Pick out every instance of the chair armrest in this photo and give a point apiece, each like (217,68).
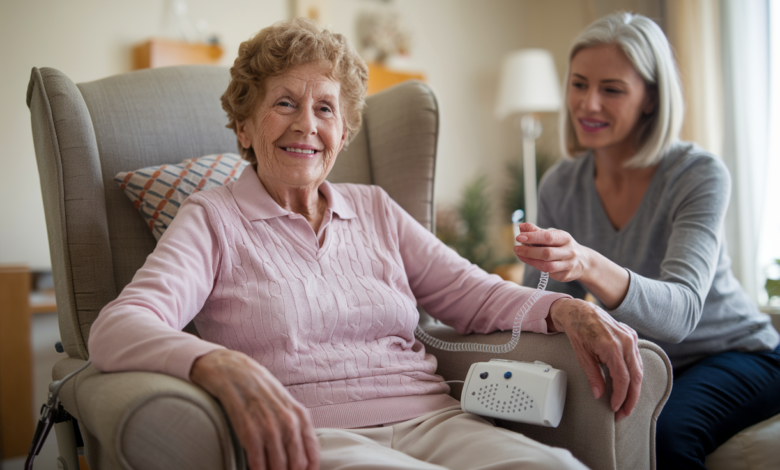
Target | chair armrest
(144,420)
(588,427)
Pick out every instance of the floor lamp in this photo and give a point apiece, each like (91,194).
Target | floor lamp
(529,84)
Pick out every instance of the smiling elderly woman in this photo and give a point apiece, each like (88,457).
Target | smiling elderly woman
(305,292)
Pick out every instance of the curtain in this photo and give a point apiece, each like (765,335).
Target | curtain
(769,245)
(722,50)
(693,29)
(745,46)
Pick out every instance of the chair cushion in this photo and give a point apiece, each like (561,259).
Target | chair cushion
(158,191)
(754,448)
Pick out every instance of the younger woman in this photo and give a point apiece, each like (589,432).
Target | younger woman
(638,218)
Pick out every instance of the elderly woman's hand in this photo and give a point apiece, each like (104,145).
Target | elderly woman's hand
(274,429)
(597,338)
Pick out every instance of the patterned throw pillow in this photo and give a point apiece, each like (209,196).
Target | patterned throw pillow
(158,191)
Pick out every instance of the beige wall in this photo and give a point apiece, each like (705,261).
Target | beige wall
(87,40)
(459,44)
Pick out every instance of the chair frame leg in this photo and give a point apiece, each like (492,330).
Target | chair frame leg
(67,446)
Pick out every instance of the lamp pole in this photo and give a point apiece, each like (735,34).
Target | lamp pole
(531,129)
(529,84)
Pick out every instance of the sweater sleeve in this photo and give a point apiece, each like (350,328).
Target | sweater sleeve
(459,293)
(690,261)
(141,329)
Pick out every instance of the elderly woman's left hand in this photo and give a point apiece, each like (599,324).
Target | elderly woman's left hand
(597,338)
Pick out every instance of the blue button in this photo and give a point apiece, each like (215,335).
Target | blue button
(507,375)
(483,375)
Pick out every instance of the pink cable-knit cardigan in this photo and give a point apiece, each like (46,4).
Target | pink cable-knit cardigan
(334,323)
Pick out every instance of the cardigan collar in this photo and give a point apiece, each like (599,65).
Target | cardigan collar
(256,204)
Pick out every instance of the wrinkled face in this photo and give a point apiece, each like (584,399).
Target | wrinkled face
(607,98)
(297,130)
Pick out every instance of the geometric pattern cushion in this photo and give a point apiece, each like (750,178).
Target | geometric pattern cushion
(158,191)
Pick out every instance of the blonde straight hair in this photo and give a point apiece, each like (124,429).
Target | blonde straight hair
(646,47)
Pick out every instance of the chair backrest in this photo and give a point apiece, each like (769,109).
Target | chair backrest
(85,134)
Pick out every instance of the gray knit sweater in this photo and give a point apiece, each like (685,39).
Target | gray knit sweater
(682,294)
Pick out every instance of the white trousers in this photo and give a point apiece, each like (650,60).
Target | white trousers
(445,439)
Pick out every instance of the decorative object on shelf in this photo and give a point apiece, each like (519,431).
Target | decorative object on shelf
(464,228)
(181,41)
(384,44)
(529,84)
(381,35)
(185,29)
(315,10)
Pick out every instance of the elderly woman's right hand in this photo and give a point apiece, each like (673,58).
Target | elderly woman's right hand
(274,429)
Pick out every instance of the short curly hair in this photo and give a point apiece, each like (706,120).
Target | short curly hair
(275,49)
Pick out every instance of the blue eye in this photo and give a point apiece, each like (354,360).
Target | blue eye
(285,104)
(325,109)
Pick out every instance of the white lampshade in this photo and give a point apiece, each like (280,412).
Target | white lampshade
(529,84)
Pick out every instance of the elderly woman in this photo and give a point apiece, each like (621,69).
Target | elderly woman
(639,219)
(305,292)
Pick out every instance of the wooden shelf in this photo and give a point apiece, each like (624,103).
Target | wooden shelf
(381,77)
(167,52)
(42,302)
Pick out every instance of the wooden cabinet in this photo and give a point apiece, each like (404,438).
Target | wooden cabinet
(381,77)
(17,417)
(167,52)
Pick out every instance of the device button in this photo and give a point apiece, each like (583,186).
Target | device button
(507,375)
(483,375)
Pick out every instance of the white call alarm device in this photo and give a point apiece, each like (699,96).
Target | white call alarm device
(526,392)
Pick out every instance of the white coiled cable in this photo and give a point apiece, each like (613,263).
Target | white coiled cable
(488,348)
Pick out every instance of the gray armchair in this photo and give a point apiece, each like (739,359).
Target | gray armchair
(85,134)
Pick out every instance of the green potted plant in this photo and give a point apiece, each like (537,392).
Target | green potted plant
(464,227)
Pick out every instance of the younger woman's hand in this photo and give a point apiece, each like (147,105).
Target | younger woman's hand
(274,429)
(554,252)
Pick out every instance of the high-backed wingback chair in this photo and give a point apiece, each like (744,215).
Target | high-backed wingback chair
(85,134)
